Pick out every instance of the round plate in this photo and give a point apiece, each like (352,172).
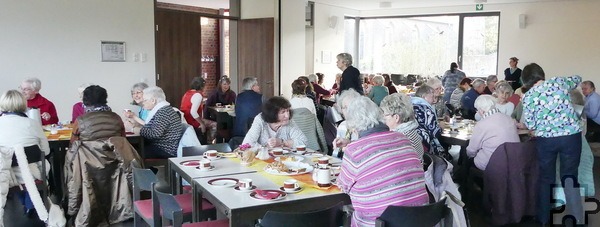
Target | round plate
(190,163)
(223,182)
(281,196)
(291,165)
(237,189)
(205,170)
(299,189)
(287,158)
(314,155)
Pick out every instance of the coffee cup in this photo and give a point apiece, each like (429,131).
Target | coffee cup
(323,177)
(323,162)
(228,106)
(245,184)
(277,151)
(211,154)
(218,104)
(290,185)
(204,164)
(301,148)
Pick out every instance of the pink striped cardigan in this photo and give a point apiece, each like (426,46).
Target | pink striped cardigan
(379,170)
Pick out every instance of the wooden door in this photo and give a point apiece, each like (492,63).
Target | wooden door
(256,53)
(178,52)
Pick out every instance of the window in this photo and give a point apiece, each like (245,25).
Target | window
(425,45)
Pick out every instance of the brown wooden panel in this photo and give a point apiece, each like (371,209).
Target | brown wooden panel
(178,52)
(256,52)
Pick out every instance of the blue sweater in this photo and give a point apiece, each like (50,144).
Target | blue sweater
(468,104)
(248,105)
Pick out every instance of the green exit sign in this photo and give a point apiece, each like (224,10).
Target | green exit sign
(478,7)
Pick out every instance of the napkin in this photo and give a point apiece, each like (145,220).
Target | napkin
(262,194)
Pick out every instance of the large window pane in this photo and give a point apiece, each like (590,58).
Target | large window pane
(350,36)
(480,46)
(415,45)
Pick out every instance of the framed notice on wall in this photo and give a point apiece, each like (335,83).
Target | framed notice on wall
(112,51)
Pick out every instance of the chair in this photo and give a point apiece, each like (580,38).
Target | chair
(415,216)
(172,211)
(35,154)
(199,150)
(146,209)
(331,216)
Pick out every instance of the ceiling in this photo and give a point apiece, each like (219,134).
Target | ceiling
(362,4)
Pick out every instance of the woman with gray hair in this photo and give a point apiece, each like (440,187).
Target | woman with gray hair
(379,169)
(163,129)
(399,116)
(137,93)
(378,91)
(350,75)
(30,88)
(494,129)
(319,90)
(503,92)
(429,129)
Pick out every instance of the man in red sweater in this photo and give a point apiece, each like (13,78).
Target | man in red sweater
(30,88)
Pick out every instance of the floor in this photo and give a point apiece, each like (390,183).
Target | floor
(13,212)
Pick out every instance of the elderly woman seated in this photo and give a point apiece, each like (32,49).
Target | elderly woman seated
(273,127)
(16,129)
(97,165)
(379,169)
(494,129)
(503,92)
(429,129)
(399,116)
(163,129)
(378,91)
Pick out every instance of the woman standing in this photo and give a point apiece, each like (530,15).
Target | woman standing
(512,74)
(451,79)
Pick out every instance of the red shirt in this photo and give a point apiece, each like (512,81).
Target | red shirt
(186,107)
(45,106)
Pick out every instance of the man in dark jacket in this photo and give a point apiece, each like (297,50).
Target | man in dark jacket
(247,106)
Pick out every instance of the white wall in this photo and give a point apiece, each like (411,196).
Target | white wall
(59,42)
(561,36)
(251,9)
(293,40)
(328,39)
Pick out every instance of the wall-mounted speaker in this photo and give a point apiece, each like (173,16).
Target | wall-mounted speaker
(333,20)
(522,21)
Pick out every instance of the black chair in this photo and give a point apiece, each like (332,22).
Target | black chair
(35,154)
(199,150)
(331,216)
(416,216)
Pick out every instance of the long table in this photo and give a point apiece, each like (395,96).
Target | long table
(233,204)
(59,144)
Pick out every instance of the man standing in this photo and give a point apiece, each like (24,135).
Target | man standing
(30,88)
(350,75)
(592,110)
(468,99)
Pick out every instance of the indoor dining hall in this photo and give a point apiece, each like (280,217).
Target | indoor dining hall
(316,113)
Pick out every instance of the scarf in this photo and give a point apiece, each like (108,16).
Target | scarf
(419,101)
(381,127)
(21,114)
(155,109)
(489,113)
(101,108)
(407,126)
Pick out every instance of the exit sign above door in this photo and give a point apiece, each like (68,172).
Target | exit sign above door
(479,7)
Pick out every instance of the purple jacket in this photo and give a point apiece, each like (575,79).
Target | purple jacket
(510,180)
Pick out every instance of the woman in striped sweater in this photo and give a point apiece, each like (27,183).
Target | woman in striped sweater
(379,169)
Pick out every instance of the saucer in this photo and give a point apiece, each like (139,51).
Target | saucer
(190,163)
(238,189)
(204,170)
(215,158)
(291,191)
(223,182)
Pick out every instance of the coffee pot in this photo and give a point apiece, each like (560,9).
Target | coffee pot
(322,176)
(34,113)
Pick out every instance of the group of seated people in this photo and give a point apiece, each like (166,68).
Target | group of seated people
(383,139)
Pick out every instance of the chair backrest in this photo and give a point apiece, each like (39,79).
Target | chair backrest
(331,216)
(142,180)
(199,150)
(415,216)
(170,208)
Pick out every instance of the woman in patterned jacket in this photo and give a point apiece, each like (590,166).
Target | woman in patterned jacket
(429,129)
